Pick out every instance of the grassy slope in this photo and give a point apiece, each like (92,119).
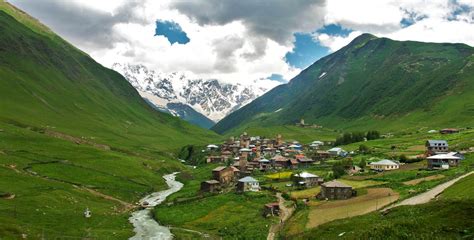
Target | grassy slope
(372,83)
(48,87)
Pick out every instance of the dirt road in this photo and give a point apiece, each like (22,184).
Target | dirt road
(285,214)
(427,196)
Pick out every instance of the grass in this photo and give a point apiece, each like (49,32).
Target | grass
(67,124)
(306,193)
(460,190)
(230,215)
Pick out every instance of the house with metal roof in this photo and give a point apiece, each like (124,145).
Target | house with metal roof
(434,147)
(307,179)
(247,184)
(444,161)
(384,165)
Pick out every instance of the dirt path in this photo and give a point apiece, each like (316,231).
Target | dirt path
(285,214)
(125,205)
(427,196)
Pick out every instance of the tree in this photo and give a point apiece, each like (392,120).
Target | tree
(364,149)
(362,163)
(371,135)
(403,158)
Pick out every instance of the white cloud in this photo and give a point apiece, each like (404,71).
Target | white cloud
(241,41)
(432,21)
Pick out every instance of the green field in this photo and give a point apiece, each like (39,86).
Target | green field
(227,216)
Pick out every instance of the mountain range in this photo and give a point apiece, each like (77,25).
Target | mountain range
(372,83)
(199,101)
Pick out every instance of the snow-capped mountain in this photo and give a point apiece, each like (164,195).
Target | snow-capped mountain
(212,98)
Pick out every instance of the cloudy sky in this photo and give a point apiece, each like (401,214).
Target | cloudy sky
(243,40)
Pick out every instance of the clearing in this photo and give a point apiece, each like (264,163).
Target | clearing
(419,180)
(372,201)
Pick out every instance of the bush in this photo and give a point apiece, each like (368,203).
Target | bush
(364,149)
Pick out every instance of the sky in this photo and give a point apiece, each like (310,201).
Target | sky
(247,41)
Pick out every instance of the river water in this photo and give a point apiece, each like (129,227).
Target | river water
(144,226)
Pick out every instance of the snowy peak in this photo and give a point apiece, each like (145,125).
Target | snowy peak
(210,97)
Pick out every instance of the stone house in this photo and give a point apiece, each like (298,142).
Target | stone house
(224,175)
(335,190)
(211,186)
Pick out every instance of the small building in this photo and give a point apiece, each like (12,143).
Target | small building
(212,147)
(335,151)
(384,165)
(449,130)
(436,146)
(321,155)
(280,161)
(308,179)
(296,147)
(335,190)
(304,162)
(211,186)
(224,175)
(214,159)
(248,184)
(271,209)
(444,161)
(354,169)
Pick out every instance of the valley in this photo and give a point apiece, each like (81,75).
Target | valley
(373,141)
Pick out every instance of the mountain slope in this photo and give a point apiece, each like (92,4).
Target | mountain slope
(372,82)
(47,82)
(212,98)
(75,135)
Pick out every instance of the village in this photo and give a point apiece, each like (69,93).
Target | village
(276,186)
(241,159)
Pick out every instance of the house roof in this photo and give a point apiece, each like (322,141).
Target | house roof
(302,160)
(437,142)
(280,158)
(447,156)
(212,182)
(218,169)
(271,205)
(317,142)
(248,179)
(306,175)
(245,150)
(385,162)
(336,184)
(336,149)
(212,146)
(264,160)
(294,146)
(234,169)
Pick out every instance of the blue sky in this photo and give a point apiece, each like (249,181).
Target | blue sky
(172,31)
(307,50)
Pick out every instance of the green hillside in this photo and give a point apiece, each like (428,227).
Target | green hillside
(372,83)
(75,135)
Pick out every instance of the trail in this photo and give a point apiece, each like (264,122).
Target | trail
(285,214)
(428,195)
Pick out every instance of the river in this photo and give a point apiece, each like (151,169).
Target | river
(144,226)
